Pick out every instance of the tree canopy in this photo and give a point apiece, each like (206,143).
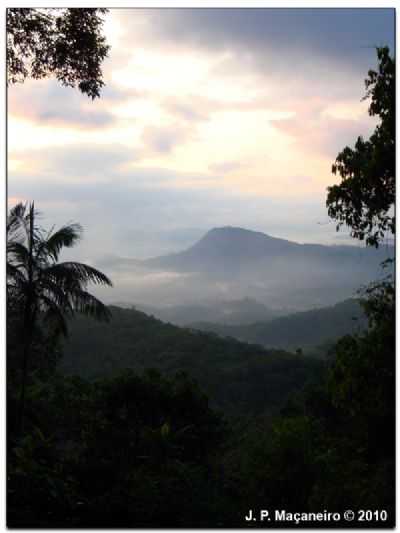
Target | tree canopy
(40,289)
(364,199)
(35,275)
(65,43)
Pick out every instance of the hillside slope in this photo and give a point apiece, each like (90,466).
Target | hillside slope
(231,250)
(238,378)
(232,312)
(304,330)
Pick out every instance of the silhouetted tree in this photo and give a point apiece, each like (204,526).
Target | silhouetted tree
(365,197)
(65,43)
(41,288)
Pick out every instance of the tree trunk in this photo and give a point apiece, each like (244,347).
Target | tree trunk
(21,406)
(28,324)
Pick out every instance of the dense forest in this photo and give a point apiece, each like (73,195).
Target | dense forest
(239,379)
(116,419)
(146,447)
(309,331)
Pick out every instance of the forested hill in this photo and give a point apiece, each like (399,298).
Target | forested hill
(307,330)
(238,378)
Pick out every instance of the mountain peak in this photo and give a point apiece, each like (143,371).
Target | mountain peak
(234,236)
(234,230)
(232,246)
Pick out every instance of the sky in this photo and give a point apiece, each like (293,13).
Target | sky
(209,117)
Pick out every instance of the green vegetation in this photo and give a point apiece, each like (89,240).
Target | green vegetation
(311,331)
(116,453)
(334,446)
(41,291)
(240,379)
(364,200)
(122,446)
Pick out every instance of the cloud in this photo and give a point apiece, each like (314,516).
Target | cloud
(48,103)
(189,108)
(88,162)
(163,139)
(95,165)
(324,134)
(330,33)
(208,104)
(136,213)
(115,214)
(226,166)
(196,108)
(268,57)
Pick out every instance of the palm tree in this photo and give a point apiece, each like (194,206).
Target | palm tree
(41,288)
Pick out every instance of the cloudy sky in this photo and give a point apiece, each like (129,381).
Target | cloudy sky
(208,118)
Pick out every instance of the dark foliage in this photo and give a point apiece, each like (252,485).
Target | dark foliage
(333,447)
(42,292)
(364,199)
(311,331)
(131,451)
(239,379)
(64,43)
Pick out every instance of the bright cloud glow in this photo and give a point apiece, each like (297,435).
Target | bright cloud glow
(163,73)
(199,106)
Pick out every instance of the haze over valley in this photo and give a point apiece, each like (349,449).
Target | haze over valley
(234,275)
(200,267)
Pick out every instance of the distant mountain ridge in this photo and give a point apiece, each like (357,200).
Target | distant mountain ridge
(231,263)
(233,312)
(223,245)
(233,247)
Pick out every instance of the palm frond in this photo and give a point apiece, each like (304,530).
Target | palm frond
(16,220)
(70,273)
(15,275)
(21,224)
(58,290)
(48,289)
(17,253)
(18,211)
(54,315)
(87,304)
(67,236)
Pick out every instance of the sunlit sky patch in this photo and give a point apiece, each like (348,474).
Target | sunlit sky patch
(208,118)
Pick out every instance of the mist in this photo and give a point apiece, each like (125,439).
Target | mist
(249,272)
